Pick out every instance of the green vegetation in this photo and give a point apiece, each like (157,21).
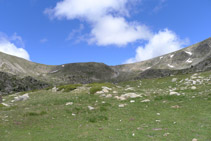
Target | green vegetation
(98,87)
(68,88)
(48,116)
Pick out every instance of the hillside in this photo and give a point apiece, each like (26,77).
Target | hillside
(195,58)
(171,108)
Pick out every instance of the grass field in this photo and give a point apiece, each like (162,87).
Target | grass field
(167,109)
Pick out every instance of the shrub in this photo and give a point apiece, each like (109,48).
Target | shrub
(68,88)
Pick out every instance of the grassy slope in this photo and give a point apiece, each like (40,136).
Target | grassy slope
(46,117)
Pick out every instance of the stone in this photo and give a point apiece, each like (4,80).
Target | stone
(69,103)
(146,100)
(174,80)
(193,88)
(21,98)
(132,101)
(109,96)
(121,105)
(6,105)
(91,108)
(194,139)
(174,93)
(54,89)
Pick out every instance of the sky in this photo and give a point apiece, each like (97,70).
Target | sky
(113,32)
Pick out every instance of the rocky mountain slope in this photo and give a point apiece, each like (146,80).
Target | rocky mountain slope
(194,58)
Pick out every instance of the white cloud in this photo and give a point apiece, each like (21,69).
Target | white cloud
(9,46)
(107,19)
(88,9)
(161,43)
(117,31)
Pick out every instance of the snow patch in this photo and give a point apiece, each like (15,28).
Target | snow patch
(189,61)
(170,66)
(190,53)
(172,55)
(54,71)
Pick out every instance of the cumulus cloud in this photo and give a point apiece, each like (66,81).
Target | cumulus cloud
(163,42)
(107,19)
(117,31)
(8,45)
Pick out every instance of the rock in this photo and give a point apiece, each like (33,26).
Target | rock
(174,80)
(69,103)
(21,98)
(158,114)
(129,89)
(107,88)
(146,100)
(194,139)
(174,93)
(6,105)
(109,96)
(193,87)
(115,92)
(128,95)
(132,101)
(176,106)
(54,89)
(166,134)
(121,105)
(91,108)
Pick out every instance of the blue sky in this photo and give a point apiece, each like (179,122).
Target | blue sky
(110,31)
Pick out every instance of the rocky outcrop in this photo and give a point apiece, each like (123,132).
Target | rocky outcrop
(11,83)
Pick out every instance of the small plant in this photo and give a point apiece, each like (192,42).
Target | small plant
(68,88)
(94,89)
(36,113)
(97,118)
(98,87)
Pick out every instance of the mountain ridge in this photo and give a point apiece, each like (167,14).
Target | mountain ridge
(194,58)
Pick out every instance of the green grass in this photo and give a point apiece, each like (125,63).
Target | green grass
(45,115)
(68,88)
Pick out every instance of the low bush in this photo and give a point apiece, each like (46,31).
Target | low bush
(68,88)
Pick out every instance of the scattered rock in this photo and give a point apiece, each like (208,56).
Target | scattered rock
(146,100)
(176,106)
(54,89)
(21,98)
(174,80)
(128,95)
(132,101)
(174,93)
(109,96)
(91,108)
(129,89)
(133,134)
(69,103)
(193,87)
(122,105)
(166,134)
(6,105)
(157,129)
(158,120)
(158,114)
(194,139)
(115,92)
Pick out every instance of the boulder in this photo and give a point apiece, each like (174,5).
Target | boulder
(22,98)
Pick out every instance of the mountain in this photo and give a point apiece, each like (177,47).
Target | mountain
(195,58)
